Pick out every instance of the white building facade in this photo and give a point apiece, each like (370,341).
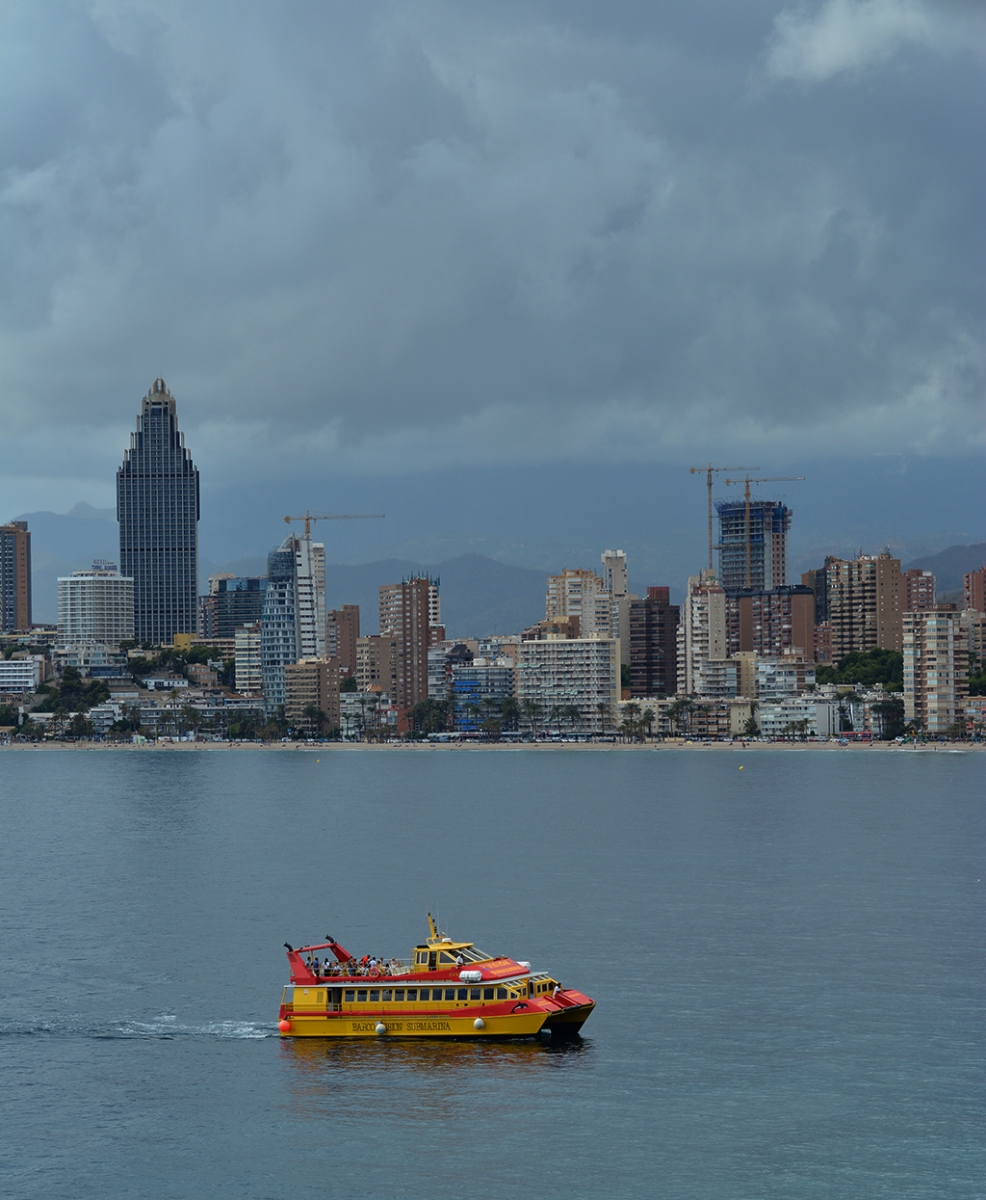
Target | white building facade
(247,640)
(571,673)
(935,667)
(701,632)
(95,606)
(781,718)
(19,676)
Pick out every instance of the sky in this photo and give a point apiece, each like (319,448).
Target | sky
(498,265)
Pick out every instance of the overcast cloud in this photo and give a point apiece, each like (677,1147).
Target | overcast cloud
(379,237)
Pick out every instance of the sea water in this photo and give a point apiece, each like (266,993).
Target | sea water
(786,961)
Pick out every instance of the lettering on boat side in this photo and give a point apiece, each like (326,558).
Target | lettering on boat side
(417,1026)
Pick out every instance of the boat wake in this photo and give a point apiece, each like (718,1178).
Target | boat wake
(164,1027)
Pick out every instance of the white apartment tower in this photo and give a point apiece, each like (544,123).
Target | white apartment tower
(95,607)
(935,659)
(292,626)
(701,632)
(580,675)
(583,594)
(618,585)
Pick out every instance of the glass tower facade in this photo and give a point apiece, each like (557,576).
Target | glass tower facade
(292,626)
(157,505)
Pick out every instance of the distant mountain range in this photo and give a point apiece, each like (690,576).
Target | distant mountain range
(950,565)
(480,595)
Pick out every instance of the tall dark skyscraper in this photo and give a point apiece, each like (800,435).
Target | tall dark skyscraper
(157,505)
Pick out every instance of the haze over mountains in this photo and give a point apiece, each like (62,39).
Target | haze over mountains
(480,594)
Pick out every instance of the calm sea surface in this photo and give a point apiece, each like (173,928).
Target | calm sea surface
(786,960)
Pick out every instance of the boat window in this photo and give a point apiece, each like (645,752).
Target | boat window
(399,994)
(463,993)
(488,993)
(288,997)
(450,993)
(474,955)
(446,959)
(424,993)
(375,995)
(502,993)
(387,995)
(421,958)
(412,993)
(474,994)
(350,997)
(361,997)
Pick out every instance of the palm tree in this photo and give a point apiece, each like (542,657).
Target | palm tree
(531,711)
(751,729)
(510,711)
(648,718)
(571,713)
(315,720)
(678,711)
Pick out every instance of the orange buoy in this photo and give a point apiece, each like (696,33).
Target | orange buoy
(284,1026)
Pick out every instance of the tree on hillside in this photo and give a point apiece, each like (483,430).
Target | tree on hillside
(866,669)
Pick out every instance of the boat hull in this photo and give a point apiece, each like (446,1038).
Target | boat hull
(568,1021)
(439,1025)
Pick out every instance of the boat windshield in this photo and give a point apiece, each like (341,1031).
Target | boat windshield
(474,955)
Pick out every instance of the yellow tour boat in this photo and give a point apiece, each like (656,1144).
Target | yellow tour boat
(447,989)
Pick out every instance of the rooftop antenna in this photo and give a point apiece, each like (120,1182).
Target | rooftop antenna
(710,470)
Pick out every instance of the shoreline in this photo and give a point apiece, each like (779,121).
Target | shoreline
(502,747)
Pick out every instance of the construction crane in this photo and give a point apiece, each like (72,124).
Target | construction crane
(710,470)
(746,496)
(308,517)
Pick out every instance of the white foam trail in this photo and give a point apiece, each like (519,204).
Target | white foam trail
(165,1027)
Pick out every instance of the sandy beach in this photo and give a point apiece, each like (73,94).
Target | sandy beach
(501,747)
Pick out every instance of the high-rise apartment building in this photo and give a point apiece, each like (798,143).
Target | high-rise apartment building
(312,683)
(773,623)
(479,689)
(341,636)
(292,625)
(864,604)
(232,601)
(917,591)
(616,581)
(95,606)
(754,557)
(701,632)
(817,580)
(15,577)
(653,638)
(935,665)
(575,674)
(974,590)
(247,652)
(583,594)
(410,612)
(157,505)
(378,663)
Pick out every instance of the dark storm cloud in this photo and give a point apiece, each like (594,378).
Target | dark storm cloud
(393,235)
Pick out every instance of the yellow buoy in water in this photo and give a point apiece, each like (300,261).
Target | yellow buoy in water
(741,768)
